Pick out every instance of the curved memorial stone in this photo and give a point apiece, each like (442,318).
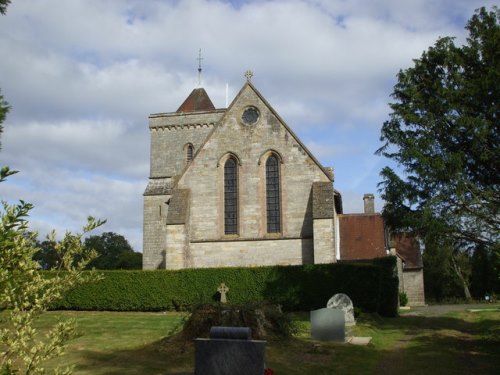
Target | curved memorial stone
(343,302)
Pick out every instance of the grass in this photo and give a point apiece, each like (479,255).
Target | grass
(134,343)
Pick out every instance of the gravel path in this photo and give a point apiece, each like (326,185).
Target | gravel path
(436,310)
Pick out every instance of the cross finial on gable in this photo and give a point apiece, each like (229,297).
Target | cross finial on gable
(249,75)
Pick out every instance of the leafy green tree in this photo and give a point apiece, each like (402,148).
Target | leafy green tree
(47,255)
(4,108)
(26,293)
(114,252)
(485,278)
(441,280)
(443,133)
(3,6)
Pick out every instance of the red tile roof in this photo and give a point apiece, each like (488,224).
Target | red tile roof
(362,236)
(198,100)
(408,248)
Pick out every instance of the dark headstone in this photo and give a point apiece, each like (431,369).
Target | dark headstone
(232,333)
(328,325)
(229,351)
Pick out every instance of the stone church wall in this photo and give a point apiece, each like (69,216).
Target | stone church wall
(169,136)
(252,253)
(414,286)
(251,145)
(154,232)
(200,240)
(324,243)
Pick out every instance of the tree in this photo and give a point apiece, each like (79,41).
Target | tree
(27,293)
(4,108)
(3,6)
(443,133)
(47,255)
(114,252)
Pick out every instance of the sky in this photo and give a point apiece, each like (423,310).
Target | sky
(82,76)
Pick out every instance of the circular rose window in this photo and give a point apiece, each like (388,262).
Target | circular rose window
(250,115)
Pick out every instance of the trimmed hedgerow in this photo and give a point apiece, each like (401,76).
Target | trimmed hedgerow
(369,285)
(389,286)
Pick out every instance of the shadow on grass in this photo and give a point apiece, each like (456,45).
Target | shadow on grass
(155,358)
(420,345)
(441,345)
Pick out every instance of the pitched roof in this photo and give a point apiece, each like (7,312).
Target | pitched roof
(198,100)
(362,236)
(408,248)
(290,131)
(338,202)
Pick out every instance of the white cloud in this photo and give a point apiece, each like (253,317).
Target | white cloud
(82,77)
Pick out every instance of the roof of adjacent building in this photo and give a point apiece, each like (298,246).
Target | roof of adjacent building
(362,236)
(198,100)
(408,248)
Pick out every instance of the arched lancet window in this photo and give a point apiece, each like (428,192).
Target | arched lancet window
(189,152)
(273,195)
(231,197)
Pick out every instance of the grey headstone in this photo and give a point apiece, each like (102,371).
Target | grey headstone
(328,325)
(343,302)
(229,351)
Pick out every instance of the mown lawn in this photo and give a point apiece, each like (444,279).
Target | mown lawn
(134,343)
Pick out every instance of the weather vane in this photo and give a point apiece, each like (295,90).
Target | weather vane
(199,67)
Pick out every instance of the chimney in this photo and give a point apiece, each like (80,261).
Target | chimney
(369,200)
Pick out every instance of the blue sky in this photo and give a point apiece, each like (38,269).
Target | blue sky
(82,76)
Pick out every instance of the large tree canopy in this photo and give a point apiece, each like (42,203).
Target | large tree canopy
(443,133)
(114,252)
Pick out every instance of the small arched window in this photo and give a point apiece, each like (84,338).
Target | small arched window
(231,196)
(273,206)
(189,152)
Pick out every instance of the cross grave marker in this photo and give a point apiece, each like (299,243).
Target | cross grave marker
(223,289)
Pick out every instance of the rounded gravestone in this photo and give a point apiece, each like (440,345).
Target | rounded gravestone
(343,302)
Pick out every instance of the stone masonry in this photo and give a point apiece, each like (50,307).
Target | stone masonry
(199,239)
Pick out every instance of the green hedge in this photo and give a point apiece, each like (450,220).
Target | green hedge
(369,285)
(389,286)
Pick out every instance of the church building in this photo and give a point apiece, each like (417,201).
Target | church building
(236,187)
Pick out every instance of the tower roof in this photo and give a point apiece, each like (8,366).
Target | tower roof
(198,100)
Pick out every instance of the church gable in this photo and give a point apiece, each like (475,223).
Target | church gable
(252,118)
(256,143)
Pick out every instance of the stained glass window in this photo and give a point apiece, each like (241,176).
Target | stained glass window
(273,195)
(230,197)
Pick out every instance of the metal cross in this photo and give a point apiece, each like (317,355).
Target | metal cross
(249,75)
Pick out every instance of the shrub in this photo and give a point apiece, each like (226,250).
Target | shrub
(403,299)
(370,285)
(265,321)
